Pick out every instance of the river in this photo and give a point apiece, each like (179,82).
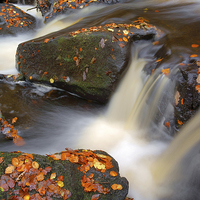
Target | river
(157,166)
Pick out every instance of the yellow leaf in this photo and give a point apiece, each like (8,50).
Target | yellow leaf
(51,80)
(60,183)
(53,175)
(99,165)
(116,187)
(10,169)
(27,197)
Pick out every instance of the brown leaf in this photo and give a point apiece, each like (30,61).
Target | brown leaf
(121,45)
(1,159)
(93,60)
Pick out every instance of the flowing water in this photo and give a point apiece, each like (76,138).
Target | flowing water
(157,166)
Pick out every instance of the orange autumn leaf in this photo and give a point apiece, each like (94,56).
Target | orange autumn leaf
(113,173)
(1,159)
(81,49)
(116,187)
(180,122)
(167,124)
(27,197)
(64,156)
(193,55)
(30,77)
(45,73)
(35,165)
(40,177)
(198,88)
(182,101)
(120,39)
(75,58)
(194,45)
(10,169)
(15,162)
(155,43)
(125,39)
(14,120)
(166,71)
(46,40)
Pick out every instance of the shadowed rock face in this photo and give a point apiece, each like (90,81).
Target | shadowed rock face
(88,62)
(14,21)
(78,174)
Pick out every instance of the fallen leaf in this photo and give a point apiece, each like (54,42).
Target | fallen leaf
(167,124)
(193,55)
(93,60)
(113,173)
(194,45)
(198,88)
(14,120)
(84,76)
(95,197)
(15,162)
(113,57)
(35,165)
(1,159)
(166,71)
(102,43)
(121,45)
(180,122)
(60,184)
(155,43)
(10,169)
(116,187)
(51,80)
(53,175)
(46,40)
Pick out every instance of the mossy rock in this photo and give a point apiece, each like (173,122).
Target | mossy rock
(88,62)
(14,20)
(58,178)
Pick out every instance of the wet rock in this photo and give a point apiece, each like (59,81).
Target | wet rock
(52,8)
(78,174)
(14,21)
(187,96)
(88,62)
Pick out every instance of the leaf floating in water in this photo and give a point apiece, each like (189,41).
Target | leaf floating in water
(125,32)
(166,71)
(102,43)
(110,29)
(84,76)
(125,39)
(155,43)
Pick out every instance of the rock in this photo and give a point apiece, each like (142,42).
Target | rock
(88,62)
(187,96)
(52,8)
(14,21)
(73,174)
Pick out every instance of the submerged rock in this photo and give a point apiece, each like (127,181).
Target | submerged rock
(88,62)
(14,21)
(78,174)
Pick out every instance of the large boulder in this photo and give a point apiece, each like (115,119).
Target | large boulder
(73,174)
(88,62)
(14,21)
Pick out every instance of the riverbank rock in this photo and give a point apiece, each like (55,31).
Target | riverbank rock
(14,21)
(187,96)
(88,62)
(71,174)
(52,8)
